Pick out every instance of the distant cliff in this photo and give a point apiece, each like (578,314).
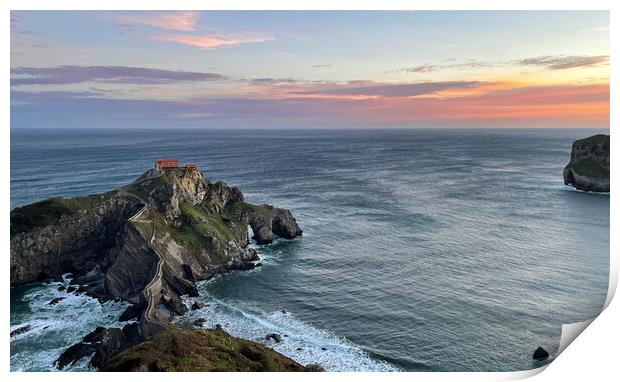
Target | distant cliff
(146,243)
(588,169)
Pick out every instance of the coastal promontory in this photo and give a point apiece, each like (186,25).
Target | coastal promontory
(588,169)
(148,243)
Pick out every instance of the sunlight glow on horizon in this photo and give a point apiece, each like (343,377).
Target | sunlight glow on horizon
(524,69)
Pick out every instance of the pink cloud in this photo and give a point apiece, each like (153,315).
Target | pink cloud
(180,21)
(206,42)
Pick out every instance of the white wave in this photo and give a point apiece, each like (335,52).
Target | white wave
(55,328)
(301,341)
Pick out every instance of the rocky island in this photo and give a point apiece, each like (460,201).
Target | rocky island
(588,169)
(148,243)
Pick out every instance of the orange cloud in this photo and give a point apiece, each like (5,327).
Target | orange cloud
(206,42)
(181,21)
(560,102)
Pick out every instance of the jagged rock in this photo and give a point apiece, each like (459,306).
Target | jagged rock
(274,336)
(20,330)
(197,305)
(540,354)
(588,169)
(199,321)
(55,301)
(266,220)
(132,312)
(103,344)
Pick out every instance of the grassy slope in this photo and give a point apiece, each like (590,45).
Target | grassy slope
(39,214)
(200,350)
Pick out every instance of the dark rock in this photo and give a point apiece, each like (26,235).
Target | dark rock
(61,288)
(313,367)
(20,330)
(540,354)
(132,312)
(218,327)
(274,336)
(199,321)
(323,348)
(197,305)
(266,220)
(588,169)
(71,289)
(284,311)
(55,301)
(103,344)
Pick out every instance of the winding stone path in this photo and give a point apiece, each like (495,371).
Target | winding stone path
(152,324)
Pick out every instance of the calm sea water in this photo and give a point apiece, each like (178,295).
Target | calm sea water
(423,250)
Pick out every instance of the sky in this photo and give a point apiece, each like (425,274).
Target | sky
(309,69)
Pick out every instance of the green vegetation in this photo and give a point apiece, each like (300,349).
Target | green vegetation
(202,226)
(27,218)
(201,350)
(589,168)
(595,139)
(240,209)
(143,188)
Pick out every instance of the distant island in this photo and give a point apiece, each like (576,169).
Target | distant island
(148,243)
(588,169)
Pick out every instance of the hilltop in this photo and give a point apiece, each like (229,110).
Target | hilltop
(588,169)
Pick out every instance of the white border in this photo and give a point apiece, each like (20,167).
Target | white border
(593,356)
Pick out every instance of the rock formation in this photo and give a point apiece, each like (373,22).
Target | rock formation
(588,169)
(146,243)
(540,354)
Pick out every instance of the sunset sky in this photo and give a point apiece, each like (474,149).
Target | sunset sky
(309,69)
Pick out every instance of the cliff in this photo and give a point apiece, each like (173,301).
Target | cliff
(146,243)
(588,169)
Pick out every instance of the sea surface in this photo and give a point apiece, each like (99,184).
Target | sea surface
(423,250)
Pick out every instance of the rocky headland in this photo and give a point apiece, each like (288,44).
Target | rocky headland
(149,243)
(588,169)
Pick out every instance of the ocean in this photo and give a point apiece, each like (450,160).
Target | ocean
(423,249)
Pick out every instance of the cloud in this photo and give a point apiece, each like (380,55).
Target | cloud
(195,115)
(558,62)
(557,105)
(377,89)
(321,66)
(72,74)
(564,62)
(180,21)
(206,42)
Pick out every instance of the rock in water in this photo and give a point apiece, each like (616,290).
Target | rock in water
(540,354)
(274,336)
(20,330)
(197,305)
(55,301)
(588,169)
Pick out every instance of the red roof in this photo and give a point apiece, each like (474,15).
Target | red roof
(166,160)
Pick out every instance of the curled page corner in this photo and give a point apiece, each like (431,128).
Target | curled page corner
(570,332)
